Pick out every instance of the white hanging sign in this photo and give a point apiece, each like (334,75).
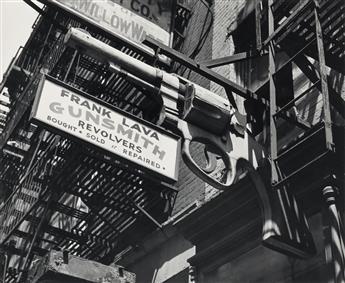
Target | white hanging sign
(63,108)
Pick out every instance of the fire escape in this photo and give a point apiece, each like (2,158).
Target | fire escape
(311,33)
(304,129)
(59,194)
(311,162)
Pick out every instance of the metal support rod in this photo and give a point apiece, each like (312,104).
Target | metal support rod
(323,78)
(148,215)
(272,89)
(35,7)
(142,210)
(333,236)
(70,65)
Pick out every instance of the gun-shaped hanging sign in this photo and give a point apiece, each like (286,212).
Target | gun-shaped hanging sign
(198,114)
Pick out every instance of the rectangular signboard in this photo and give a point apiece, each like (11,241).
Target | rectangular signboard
(131,19)
(66,109)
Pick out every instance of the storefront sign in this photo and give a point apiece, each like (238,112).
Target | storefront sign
(64,108)
(132,19)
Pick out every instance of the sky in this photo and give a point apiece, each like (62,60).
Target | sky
(16,19)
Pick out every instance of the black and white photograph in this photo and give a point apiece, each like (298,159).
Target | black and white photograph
(172,141)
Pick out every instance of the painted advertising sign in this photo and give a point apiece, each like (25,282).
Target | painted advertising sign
(131,19)
(66,109)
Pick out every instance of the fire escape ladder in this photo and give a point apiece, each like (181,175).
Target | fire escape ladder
(280,32)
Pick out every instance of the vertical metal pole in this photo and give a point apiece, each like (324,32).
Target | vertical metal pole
(323,78)
(334,236)
(272,87)
(70,65)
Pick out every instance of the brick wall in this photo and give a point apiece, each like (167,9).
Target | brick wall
(217,45)
(225,13)
(190,187)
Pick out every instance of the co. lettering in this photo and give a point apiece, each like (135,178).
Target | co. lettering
(140,8)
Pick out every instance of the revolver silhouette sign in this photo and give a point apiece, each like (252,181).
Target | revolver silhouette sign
(196,113)
(201,116)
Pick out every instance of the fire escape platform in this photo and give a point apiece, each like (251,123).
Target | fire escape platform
(306,164)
